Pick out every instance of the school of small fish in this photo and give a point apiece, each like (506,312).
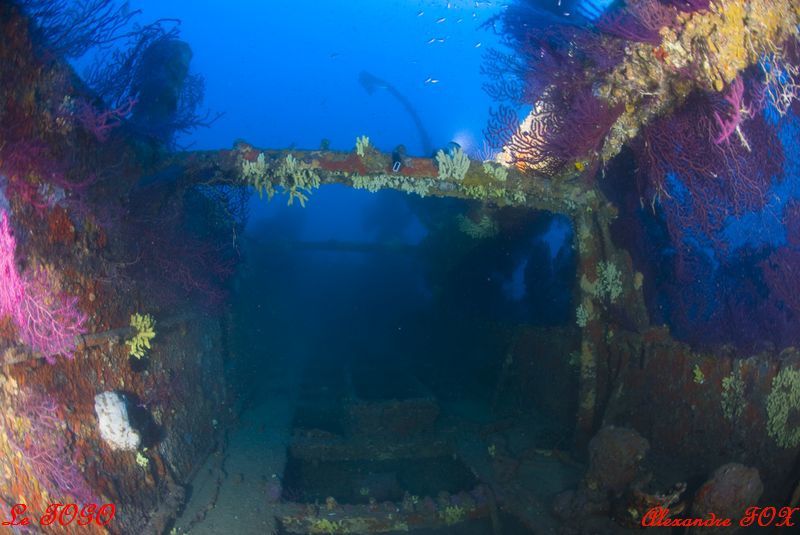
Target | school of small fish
(442,20)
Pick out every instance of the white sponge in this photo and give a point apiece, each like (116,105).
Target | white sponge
(112,418)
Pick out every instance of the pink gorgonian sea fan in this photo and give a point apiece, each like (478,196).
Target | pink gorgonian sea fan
(12,289)
(47,322)
(43,445)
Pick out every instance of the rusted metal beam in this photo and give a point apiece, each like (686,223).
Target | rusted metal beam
(14,353)
(311,447)
(412,514)
(376,170)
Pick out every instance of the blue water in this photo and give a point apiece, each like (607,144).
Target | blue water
(288,75)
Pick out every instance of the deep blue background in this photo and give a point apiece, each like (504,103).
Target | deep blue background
(286,73)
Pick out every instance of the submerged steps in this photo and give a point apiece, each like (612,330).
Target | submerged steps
(321,446)
(387,517)
(374,463)
(335,460)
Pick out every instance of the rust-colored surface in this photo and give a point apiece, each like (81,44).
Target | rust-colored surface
(348,163)
(177,387)
(684,418)
(398,418)
(417,512)
(60,227)
(559,194)
(314,445)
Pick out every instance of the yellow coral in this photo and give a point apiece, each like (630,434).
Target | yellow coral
(783,405)
(733,402)
(495,171)
(452,514)
(582,316)
(420,186)
(699,376)
(323,525)
(609,282)
(295,177)
(142,460)
(718,44)
(362,144)
(255,173)
(453,165)
(485,228)
(145,331)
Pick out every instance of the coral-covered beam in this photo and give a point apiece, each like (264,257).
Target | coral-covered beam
(12,353)
(15,353)
(449,510)
(376,170)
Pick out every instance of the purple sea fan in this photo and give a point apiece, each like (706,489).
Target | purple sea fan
(47,322)
(639,20)
(584,126)
(101,123)
(729,121)
(563,129)
(12,288)
(627,25)
(688,6)
(781,272)
(503,124)
(72,28)
(791,219)
(653,14)
(42,445)
(702,183)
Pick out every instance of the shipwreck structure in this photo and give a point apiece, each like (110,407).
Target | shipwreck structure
(100,225)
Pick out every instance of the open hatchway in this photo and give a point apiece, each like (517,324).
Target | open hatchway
(420,349)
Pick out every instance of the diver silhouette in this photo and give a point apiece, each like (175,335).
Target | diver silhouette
(370,82)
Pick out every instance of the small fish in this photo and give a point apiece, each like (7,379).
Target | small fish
(435,40)
(431,81)
(478,44)
(441,20)
(458,21)
(420,13)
